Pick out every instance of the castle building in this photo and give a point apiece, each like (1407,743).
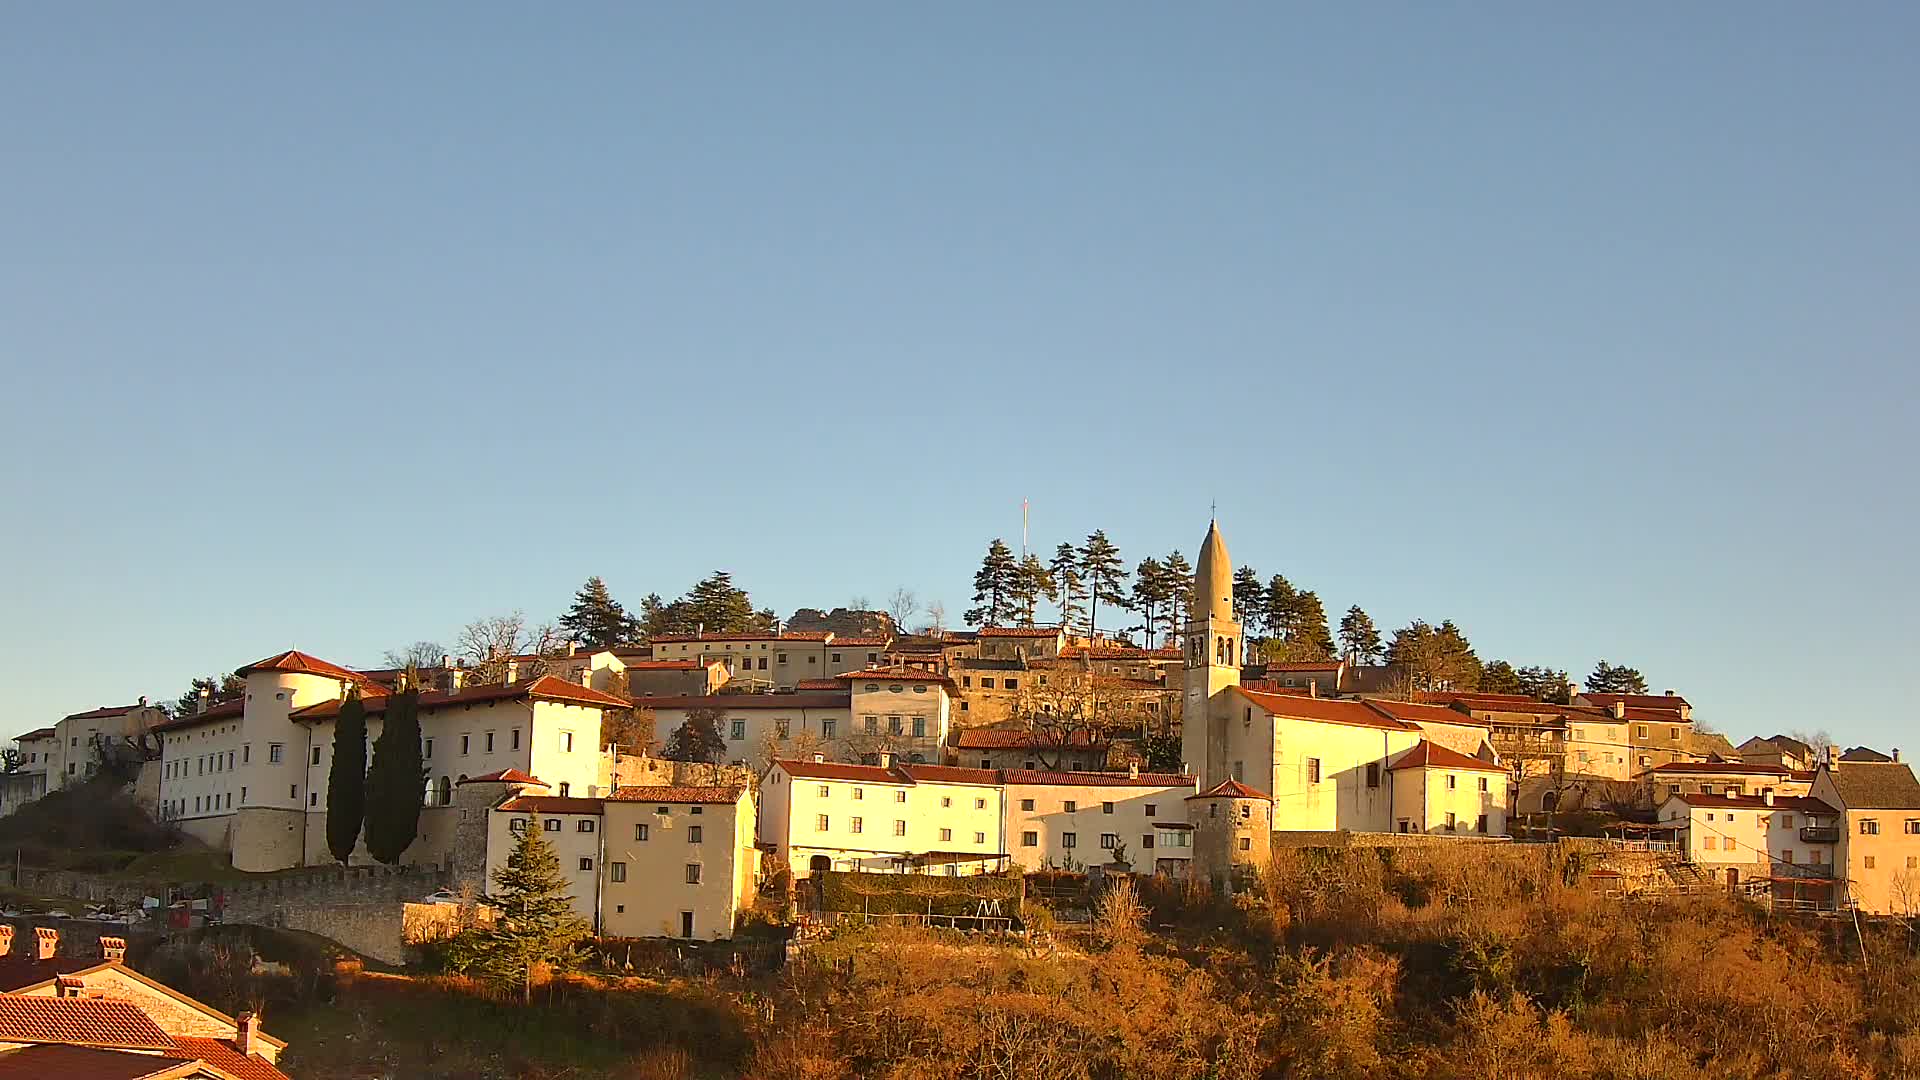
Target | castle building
(1327,765)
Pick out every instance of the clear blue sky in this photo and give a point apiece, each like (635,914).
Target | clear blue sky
(1592,330)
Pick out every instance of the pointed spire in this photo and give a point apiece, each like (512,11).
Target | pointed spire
(1212,580)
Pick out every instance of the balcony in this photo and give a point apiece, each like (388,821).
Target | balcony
(1803,872)
(1820,834)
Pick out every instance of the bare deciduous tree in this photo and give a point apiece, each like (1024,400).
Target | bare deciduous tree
(500,646)
(420,654)
(902,605)
(1077,708)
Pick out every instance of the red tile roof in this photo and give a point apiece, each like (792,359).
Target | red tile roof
(678,793)
(859,642)
(294,660)
(836,770)
(1414,713)
(1655,716)
(1736,767)
(1801,803)
(1097,779)
(949,774)
(222,1054)
(817,684)
(505,776)
(1431,755)
(544,688)
(103,712)
(665,665)
(226,710)
(1663,702)
(1325,710)
(1117,652)
(733,702)
(1019,631)
(551,804)
(18,971)
(54,1061)
(1306,665)
(36,733)
(79,1022)
(898,674)
(1231,789)
(757,635)
(1009,739)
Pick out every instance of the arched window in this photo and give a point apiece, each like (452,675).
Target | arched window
(1229,652)
(446,791)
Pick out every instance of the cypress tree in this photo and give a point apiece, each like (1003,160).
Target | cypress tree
(397,781)
(347,779)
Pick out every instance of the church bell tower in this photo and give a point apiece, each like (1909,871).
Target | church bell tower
(1213,658)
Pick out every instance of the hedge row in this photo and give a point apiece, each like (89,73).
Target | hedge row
(894,894)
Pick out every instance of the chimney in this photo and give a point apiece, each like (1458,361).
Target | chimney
(819,759)
(1619,710)
(143,701)
(572,647)
(1133,770)
(1833,755)
(1896,753)
(113,949)
(886,759)
(1313,688)
(1766,796)
(47,940)
(206,699)
(6,938)
(247,1033)
(1673,693)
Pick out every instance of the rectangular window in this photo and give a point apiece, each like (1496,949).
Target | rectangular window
(1913,827)
(820,823)
(827,728)
(946,836)
(1483,783)
(550,825)
(1146,842)
(893,725)
(1072,806)
(585,825)
(1453,782)
(871,724)
(739,730)
(616,872)
(1109,841)
(919,727)
(489,738)
(899,827)
(427,748)
(979,838)
(1373,774)
(693,834)
(1029,839)
(466,745)
(1450,821)
(1869,827)
(1106,808)
(1068,840)
(1313,770)
(566,742)
(517,825)
(693,873)
(825,790)
(1026,804)
(857,825)
(513,739)
(986,683)
(293,791)
(640,831)
(781,727)
(836,658)
(780,658)
(1480,824)
(586,863)
(946,801)
(1866,862)
(1013,684)
(899,796)
(275,752)
(316,755)
(979,804)
(1710,843)
(1246,843)
(859,794)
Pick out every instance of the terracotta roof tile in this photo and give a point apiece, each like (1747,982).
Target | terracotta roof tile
(54,1061)
(505,776)
(37,733)
(949,774)
(1008,739)
(836,770)
(751,635)
(897,674)
(222,1054)
(859,642)
(1020,631)
(1801,803)
(104,712)
(545,688)
(1431,755)
(1662,702)
(1231,789)
(817,684)
(226,710)
(1413,713)
(713,794)
(1870,785)
(1306,665)
(293,660)
(1325,710)
(79,1022)
(1097,779)
(665,665)
(1118,652)
(1735,767)
(733,702)
(551,804)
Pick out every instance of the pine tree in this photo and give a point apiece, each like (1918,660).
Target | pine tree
(1608,679)
(1031,583)
(537,926)
(1358,636)
(1249,599)
(1151,593)
(657,617)
(1308,636)
(1065,570)
(1434,658)
(1499,677)
(347,778)
(396,781)
(994,587)
(1105,575)
(596,619)
(1278,616)
(1545,684)
(1180,583)
(220,690)
(716,606)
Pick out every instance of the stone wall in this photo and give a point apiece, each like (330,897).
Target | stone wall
(1345,838)
(634,770)
(361,907)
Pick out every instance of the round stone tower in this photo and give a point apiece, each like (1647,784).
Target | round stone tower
(1232,833)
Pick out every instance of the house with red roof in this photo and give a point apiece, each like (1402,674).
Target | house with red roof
(250,775)
(775,660)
